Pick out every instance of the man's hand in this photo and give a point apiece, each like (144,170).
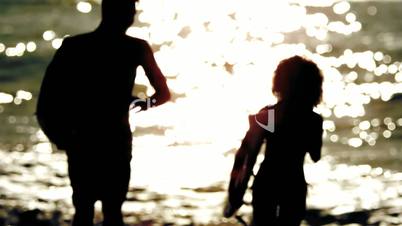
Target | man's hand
(140,104)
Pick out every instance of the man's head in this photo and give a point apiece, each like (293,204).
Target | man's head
(118,14)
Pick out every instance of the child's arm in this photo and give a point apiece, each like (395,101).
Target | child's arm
(155,76)
(251,143)
(245,159)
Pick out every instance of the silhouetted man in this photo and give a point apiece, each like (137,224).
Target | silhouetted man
(83,108)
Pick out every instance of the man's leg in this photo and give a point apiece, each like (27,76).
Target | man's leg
(112,215)
(114,191)
(84,212)
(81,178)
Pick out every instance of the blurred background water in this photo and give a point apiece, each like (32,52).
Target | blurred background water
(219,57)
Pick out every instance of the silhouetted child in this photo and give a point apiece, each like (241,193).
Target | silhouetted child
(83,108)
(279,188)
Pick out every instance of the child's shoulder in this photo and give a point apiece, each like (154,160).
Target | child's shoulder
(267,108)
(263,115)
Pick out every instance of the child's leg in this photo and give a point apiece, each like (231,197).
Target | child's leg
(264,215)
(293,207)
(265,207)
(291,216)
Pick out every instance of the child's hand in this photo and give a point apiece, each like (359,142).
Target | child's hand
(228,210)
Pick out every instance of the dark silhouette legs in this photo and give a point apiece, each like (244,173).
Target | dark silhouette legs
(81,183)
(84,213)
(292,215)
(267,216)
(276,207)
(98,176)
(112,215)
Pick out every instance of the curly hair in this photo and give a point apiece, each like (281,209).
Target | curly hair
(298,80)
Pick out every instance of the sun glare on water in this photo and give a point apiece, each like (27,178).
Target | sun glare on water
(220,56)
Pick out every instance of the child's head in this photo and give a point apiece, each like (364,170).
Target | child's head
(299,81)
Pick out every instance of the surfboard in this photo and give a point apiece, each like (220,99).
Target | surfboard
(242,170)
